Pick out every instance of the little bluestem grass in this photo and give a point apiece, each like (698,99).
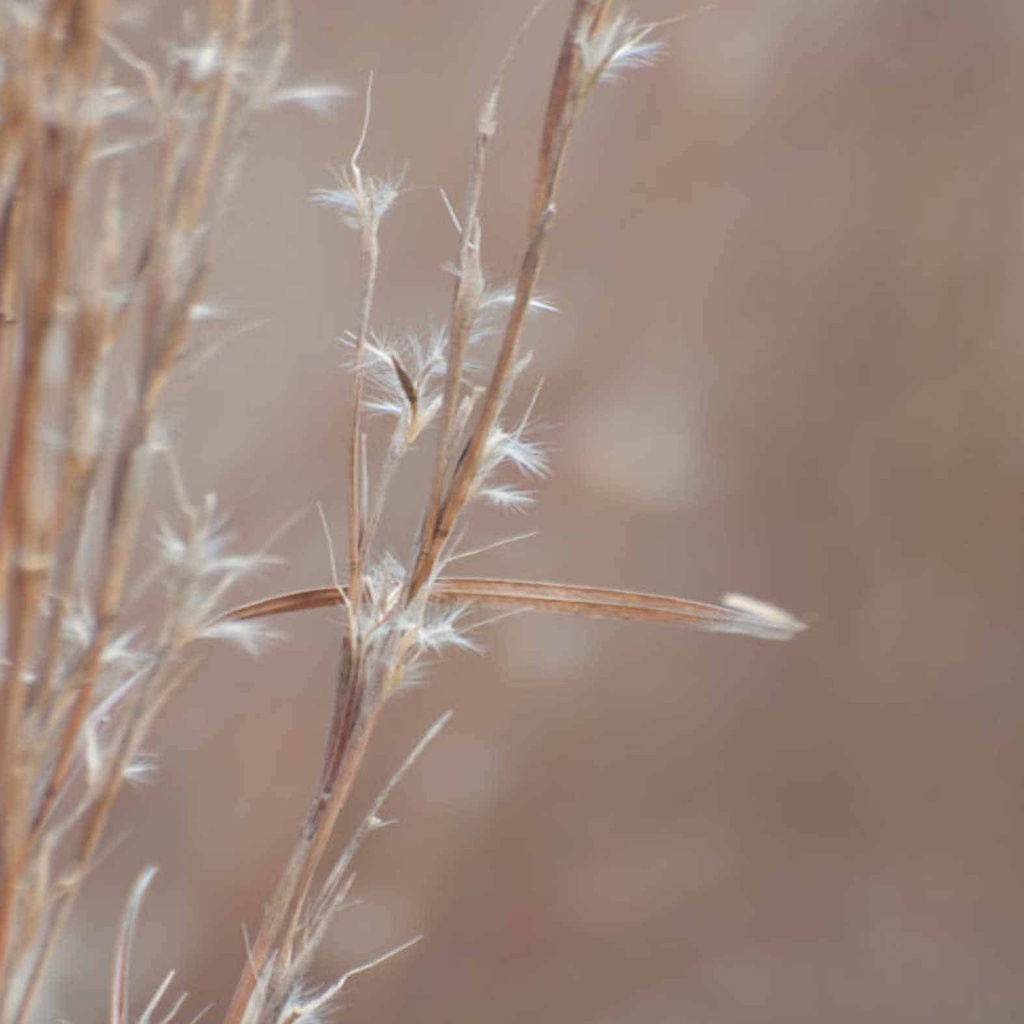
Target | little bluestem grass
(98,307)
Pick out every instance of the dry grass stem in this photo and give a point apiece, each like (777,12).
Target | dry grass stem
(98,299)
(738,614)
(86,293)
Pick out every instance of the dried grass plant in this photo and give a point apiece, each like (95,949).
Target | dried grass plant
(98,302)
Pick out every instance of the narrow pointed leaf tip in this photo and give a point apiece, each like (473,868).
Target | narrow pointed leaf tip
(769,617)
(737,613)
(119,983)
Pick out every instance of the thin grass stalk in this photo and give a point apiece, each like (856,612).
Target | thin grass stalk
(560,114)
(43,172)
(50,185)
(239,13)
(369,257)
(310,846)
(147,703)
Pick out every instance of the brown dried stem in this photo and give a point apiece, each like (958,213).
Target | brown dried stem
(559,118)
(559,598)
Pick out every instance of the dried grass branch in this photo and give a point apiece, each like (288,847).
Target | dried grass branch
(82,683)
(746,616)
(83,680)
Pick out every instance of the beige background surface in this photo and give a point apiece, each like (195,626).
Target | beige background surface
(788,362)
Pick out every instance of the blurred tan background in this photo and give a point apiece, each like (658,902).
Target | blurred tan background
(789,361)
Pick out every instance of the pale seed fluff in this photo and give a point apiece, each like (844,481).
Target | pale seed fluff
(200,62)
(441,629)
(206,552)
(141,770)
(320,98)
(619,45)
(507,497)
(251,636)
(363,203)
(769,617)
(514,448)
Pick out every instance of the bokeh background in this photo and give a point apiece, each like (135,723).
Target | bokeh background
(789,360)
